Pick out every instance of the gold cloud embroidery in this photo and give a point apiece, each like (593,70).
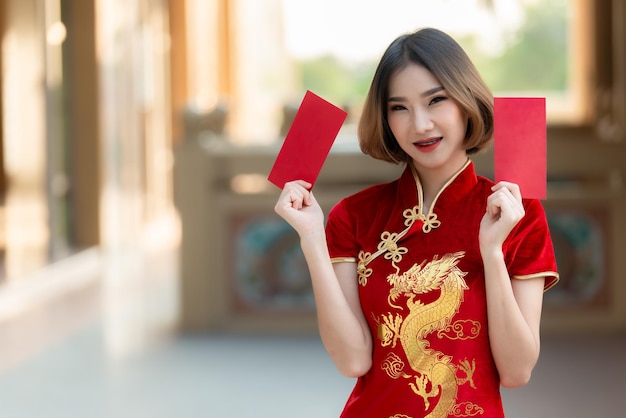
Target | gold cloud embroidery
(460,330)
(467,409)
(393,366)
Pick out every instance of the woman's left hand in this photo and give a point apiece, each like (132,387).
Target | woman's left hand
(504,211)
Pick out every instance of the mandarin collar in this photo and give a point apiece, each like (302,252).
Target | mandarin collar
(456,188)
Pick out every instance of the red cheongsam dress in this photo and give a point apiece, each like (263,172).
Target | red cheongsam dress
(422,290)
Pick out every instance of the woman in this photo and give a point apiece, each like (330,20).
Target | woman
(428,289)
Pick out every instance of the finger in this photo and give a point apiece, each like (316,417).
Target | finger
(301,183)
(296,195)
(493,207)
(508,192)
(288,199)
(502,203)
(513,188)
(296,199)
(308,198)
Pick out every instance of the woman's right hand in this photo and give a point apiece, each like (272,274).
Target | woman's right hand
(298,207)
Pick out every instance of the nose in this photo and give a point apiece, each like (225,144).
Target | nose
(422,121)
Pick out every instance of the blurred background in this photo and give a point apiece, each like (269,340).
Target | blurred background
(143,272)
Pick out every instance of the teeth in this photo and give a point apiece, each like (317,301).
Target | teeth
(423,144)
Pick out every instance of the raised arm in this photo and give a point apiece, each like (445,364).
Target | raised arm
(341,323)
(513,306)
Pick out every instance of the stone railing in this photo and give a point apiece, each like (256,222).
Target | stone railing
(241,268)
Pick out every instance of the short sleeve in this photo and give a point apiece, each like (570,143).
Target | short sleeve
(341,234)
(529,251)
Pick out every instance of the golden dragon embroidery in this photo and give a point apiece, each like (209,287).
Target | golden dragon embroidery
(436,374)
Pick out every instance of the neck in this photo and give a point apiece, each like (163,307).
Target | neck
(433,180)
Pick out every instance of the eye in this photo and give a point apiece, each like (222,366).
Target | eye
(437,99)
(395,108)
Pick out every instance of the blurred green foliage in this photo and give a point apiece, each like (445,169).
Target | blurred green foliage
(342,83)
(535,58)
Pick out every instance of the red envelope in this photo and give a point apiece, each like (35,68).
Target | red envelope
(308,141)
(520,143)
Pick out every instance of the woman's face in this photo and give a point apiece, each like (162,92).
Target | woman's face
(428,125)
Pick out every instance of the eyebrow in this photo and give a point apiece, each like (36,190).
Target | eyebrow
(424,94)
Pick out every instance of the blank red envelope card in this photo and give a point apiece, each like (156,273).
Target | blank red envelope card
(308,142)
(520,154)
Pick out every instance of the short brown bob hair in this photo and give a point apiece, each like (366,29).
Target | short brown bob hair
(447,61)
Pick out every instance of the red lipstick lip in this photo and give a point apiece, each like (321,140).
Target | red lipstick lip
(427,142)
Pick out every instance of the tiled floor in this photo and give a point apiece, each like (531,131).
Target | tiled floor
(125,362)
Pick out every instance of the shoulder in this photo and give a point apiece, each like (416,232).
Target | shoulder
(369,195)
(533,205)
(535,214)
(357,208)
(484,184)
(534,223)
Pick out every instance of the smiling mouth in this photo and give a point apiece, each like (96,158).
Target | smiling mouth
(427,142)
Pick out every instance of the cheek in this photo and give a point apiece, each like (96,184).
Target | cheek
(461,122)
(395,123)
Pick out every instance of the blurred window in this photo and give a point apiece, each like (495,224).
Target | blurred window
(521,47)
(259,57)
